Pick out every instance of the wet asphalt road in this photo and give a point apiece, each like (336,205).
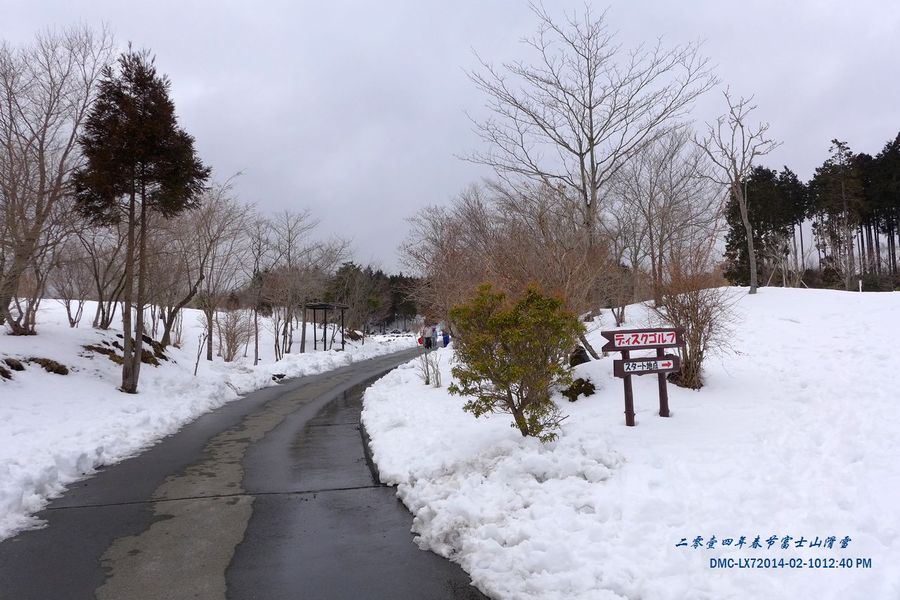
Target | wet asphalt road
(269,497)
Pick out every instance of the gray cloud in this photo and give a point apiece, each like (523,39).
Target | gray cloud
(356,110)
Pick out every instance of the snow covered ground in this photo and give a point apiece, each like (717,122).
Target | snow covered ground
(796,435)
(55,429)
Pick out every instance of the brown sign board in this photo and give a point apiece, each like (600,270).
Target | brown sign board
(658,338)
(667,363)
(643,339)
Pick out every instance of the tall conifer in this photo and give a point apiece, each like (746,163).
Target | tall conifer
(137,160)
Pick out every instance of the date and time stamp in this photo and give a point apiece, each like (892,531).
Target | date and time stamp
(790,563)
(775,543)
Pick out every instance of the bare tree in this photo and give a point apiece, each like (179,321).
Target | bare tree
(584,107)
(172,272)
(512,237)
(71,279)
(295,255)
(664,193)
(437,250)
(192,241)
(46,89)
(104,250)
(694,298)
(539,240)
(733,145)
(233,329)
(221,252)
(626,231)
(260,259)
(300,272)
(31,285)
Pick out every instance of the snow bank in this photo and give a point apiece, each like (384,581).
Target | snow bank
(56,429)
(795,434)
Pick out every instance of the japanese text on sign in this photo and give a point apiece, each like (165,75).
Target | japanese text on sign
(631,339)
(647,365)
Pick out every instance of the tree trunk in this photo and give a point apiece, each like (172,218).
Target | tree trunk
(849,240)
(861,249)
(6,316)
(289,326)
(210,313)
(521,422)
(112,304)
(751,251)
(141,290)
(818,241)
(284,334)
(8,292)
(587,346)
(894,230)
(892,247)
(334,334)
(655,267)
(797,273)
(877,258)
(168,323)
(154,319)
(256,335)
(129,383)
(303,330)
(870,249)
(173,314)
(850,265)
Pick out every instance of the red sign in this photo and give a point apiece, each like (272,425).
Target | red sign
(642,339)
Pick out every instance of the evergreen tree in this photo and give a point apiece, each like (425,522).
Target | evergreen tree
(737,258)
(794,196)
(137,160)
(771,217)
(866,215)
(403,307)
(839,199)
(509,354)
(884,196)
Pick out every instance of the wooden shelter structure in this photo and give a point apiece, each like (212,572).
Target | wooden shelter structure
(316,306)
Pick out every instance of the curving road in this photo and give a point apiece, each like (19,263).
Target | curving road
(270,497)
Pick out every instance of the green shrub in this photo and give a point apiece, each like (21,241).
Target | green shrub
(509,355)
(579,387)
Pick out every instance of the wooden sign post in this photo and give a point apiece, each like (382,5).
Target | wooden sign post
(626,340)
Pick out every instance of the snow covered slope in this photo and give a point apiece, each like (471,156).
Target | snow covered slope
(55,429)
(795,438)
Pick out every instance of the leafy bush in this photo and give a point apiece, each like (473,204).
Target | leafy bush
(579,387)
(509,355)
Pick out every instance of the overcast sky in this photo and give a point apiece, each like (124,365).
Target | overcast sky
(356,110)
